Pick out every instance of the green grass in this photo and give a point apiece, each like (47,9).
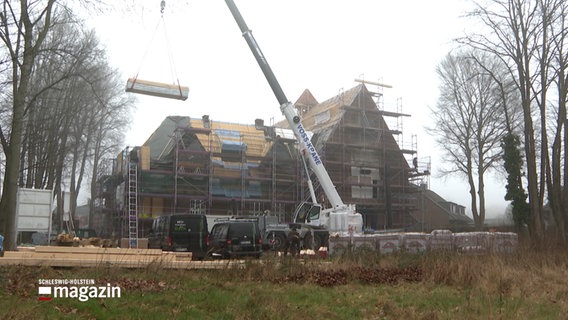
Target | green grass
(527,285)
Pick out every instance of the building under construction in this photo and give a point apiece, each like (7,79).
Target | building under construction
(198,165)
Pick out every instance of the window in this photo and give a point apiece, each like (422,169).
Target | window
(303,211)
(314,213)
(242,230)
(358,192)
(322,117)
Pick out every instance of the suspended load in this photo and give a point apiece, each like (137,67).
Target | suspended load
(157,89)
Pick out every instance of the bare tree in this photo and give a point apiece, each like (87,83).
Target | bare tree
(556,14)
(24,31)
(108,128)
(62,136)
(56,98)
(470,122)
(528,36)
(99,131)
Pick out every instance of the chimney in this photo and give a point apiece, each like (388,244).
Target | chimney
(206,122)
(259,124)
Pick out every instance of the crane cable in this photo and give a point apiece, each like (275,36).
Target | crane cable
(168,48)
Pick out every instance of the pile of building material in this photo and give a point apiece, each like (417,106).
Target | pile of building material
(157,89)
(464,242)
(66,239)
(53,256)
(69,240)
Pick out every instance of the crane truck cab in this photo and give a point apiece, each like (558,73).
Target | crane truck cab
(345,219)
(315,224)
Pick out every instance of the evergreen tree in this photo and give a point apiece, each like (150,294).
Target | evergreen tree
(513,163)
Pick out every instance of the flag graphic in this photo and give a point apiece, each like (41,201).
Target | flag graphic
(44,291)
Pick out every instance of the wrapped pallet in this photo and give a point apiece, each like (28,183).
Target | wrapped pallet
(389,242)
(415,242)
(157,89)
(441,240)
(476,243)
(364,242)
(504,242)
(338,245)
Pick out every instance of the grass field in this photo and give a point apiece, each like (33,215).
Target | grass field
(525,285)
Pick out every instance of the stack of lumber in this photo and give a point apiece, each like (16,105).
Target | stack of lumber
(107,257)
(157,89)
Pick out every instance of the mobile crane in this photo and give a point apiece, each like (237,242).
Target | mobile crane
(314,222)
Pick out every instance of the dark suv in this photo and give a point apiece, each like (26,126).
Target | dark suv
(180,232)
(235,238)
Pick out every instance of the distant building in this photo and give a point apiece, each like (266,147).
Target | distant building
(441,214)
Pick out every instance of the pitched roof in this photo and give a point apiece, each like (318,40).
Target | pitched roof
(306,99)
(315,119)
(161,141)
(252,139)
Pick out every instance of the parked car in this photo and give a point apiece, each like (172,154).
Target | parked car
(1,246)
(235,238)
(180,232)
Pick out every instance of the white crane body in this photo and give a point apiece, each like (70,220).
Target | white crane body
(340,217)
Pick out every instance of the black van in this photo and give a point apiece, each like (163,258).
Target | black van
(180,232)
(235,238)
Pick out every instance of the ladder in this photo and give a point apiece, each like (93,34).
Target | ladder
(132,205)
(69,224)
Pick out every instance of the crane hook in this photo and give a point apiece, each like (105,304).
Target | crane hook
(162,6)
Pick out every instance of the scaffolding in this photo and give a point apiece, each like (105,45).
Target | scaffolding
(200,166)
(366,158)
(206,167)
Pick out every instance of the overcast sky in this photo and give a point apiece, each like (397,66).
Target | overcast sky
(320,45)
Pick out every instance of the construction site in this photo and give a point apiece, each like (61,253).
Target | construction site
(202,166)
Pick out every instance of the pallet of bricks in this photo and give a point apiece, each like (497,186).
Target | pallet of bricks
(437,240)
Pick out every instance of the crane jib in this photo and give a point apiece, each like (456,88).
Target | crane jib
(309,146)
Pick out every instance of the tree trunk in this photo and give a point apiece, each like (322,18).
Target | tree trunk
(554,175)
(11,178)
(472,193)
(536,226)
(481,194)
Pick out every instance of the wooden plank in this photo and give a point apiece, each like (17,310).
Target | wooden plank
(164,264)
(95,257)
(157,89)
(96,250)
(145,157)
(89,263)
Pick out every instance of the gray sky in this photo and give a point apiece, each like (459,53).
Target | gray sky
(321,45)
